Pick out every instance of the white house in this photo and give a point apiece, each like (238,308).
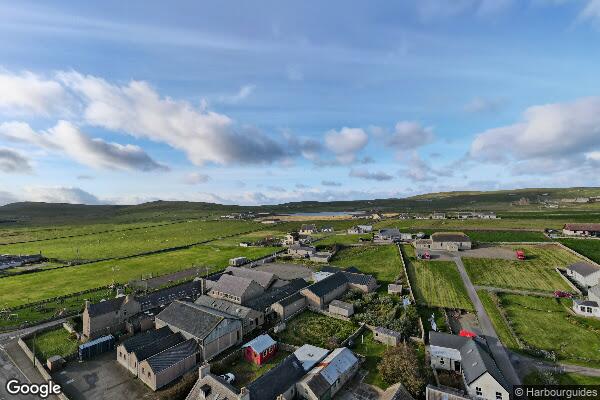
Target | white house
(581,230)
(585,274)
(586,308)
(594,293)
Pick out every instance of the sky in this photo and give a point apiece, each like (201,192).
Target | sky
(238,102)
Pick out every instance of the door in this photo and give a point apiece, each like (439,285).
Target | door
(457,366)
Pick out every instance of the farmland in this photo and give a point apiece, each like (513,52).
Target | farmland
(544,323)
(537,272)
(436,283)
(383,262)
(587,247)
(506,236)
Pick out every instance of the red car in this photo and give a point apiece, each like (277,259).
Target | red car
(561,294)
(520,254)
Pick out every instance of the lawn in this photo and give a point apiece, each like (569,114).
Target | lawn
(123,243)
(372,350)
(16,290)
(57,342)
(246,372)
(506,236)
(537,272)
(543,323)
(436,283)
(586,247)
(341,239)
(316,329)
(383,262)
(502,329)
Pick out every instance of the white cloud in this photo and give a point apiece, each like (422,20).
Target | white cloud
(346,143)
(591,11)
(374,176)
(409,135)
(419,170)
(72,195)
(242,94)
(551,131)
(28,93)
(138,110)
(195,178)
(96,153)
(12,161)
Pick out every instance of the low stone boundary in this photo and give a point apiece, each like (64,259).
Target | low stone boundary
(352,337)
(410,291)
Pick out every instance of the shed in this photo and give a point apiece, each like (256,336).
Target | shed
(96,346)
(394,288)
(341,308)
(260,349)
(387,336)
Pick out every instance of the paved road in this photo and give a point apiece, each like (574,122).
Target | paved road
(498,351)
(514,291)
(528,364)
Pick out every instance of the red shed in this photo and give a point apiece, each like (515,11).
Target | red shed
(260,349)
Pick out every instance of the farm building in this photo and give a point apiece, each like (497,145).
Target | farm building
(308,229)
(300,251)
(581,230)
(321,293)
(260,349)
(585,274)
(235,289)
(472,358)
(212,387)
(279,382)
(394,288)
(320,275)
(264,302)
(125,349)
(387,336)
(329,376)
(449,241)
(327,229)
(387,236)
(214,330)
(238,261)
(341,308)
(251,319)
(291,238)
(168,365)
(289,306)
(438,215)
(364,283)
(476,215)
(310,355)
(321,257)
(263,278)
(586,308)
(360,229)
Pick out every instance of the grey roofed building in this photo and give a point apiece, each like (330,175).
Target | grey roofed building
(449,237)
(278,380)
(359,279)
(290,299)
(583,268)
(236,286)
(310,355)
(146,338)
(328,284)
(104,307)
(441,339)
(342,304)
(167,358)
(167,295)
(260,343)
(594,292)
(233,309)
(266,300)
(263,278)
(196,320)
(476,360)
(158,346)
(387,331)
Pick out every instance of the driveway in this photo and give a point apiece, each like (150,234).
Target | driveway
(498,351)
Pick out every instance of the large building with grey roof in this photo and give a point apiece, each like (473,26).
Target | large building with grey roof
(168,365)
(585,274)
(449,241)
(214,330)
(263,278)
(236,289)
(329,376)
(251,319)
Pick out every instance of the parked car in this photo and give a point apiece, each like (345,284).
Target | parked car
(520,254)
(424,256)
(561,294)
(228,377)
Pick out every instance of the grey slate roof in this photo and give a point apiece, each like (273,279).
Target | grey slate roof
(225,306)
(143,339)
(449,237)
(160,345)
(318,384)
(167,295)
(583,268)
(342,304)
(266,300)
(447,340)
(476,360)
(388,332)
(219,389)
(587,303)
(263,278)
(165,359)
(104,307)
(328,284)
(233,285)
(290,299)
(277,380)
(191,318)
(359,279)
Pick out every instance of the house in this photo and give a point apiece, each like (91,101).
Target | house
(438,215)
(320,275)
(251,319)
(582,230)
(394,288)
(301,251)
(212,387)
(387,236)
(321,293)
(310,355)
(279,382)
(585,274)
(291,238)
(321,257)
(387,336)
(364,283)
(215,331)
(263,278)
(476,215)
(238,261)
(270,221)
(125,349)
(327,229)
(329,376)
(471,358)
(341,308)
(289,306)
(168,365)
(260,349)
(265,302)
(360,229)
(449,241)
(594,293)
(586,308)
(308,229)
(236,289)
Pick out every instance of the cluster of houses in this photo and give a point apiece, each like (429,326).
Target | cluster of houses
(582,230)
(587,276)
(455,215)
(360,229)
(298,244)
(12,261)
(449,241)
(177,327)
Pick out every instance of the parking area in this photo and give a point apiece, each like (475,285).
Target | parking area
(100,378)
(287,271)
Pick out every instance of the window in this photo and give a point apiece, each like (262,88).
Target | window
(442,361)
(148,374)
(498,396)
(478,391)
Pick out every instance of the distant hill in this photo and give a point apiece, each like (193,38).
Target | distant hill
(532,200)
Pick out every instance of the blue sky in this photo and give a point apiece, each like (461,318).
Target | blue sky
(268,102)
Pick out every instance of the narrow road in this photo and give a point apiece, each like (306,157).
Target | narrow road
(530,363)
(498,351)
(514,291)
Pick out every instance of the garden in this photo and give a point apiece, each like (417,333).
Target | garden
(57,342)
(316,329)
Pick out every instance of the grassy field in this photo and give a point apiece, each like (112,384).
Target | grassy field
(543,323)
(500,326)
(383,262)
(586,247)
(116,244)
(535,273)
(506,236)
(316,329)
(16,290)
(436,283)
(57,342)
(454,224)
(341,239)
(373,351)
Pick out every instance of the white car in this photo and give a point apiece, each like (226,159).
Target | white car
(228,377)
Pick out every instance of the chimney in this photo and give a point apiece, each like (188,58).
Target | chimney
(244,394)
(204,370)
